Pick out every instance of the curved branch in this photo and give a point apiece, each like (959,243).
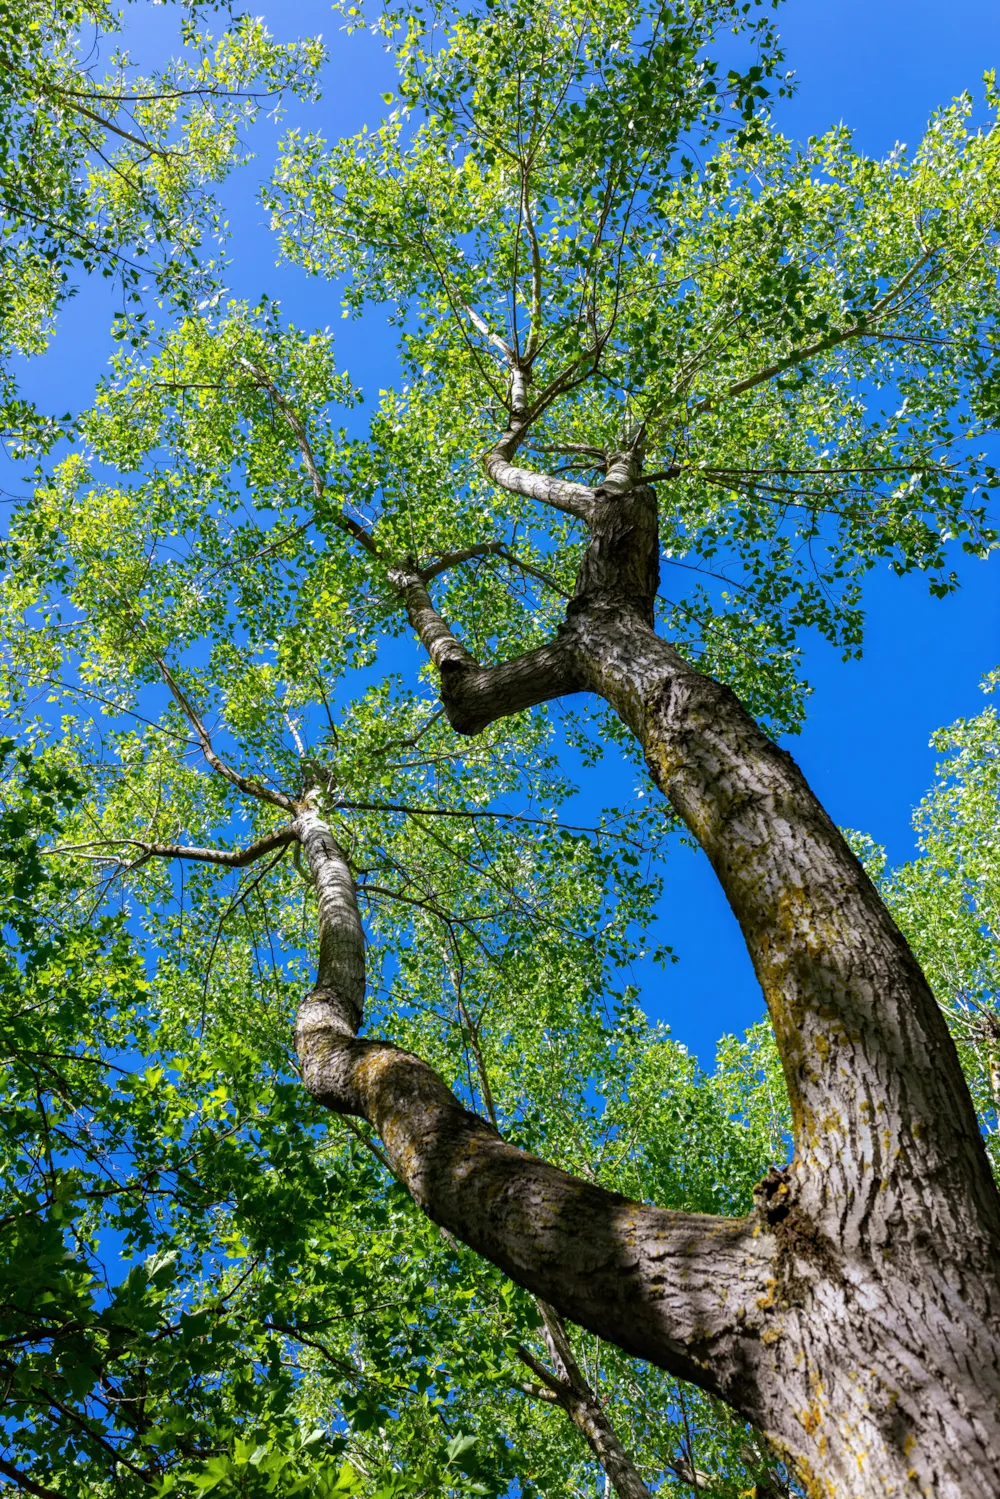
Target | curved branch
(444,648)
(679,1289)
(476,696)
(875,1083)
(573,499)
(340,518)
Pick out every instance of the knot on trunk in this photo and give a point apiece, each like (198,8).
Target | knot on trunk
(774,1196)
(804,1255)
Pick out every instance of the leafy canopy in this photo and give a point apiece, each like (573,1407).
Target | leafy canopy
(108,169)
(584,226)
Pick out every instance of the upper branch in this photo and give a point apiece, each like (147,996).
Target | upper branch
(243,783)
(343,521)
(490,549)
(863,328)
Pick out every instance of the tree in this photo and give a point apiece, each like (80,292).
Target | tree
(105,170)
(698,355)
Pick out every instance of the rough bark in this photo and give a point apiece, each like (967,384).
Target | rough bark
(886,1303)
(665,1286)
(855,1315)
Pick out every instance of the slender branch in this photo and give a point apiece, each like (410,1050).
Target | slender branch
(554,1387)
(582,448)
(243,783)
(340,518)
(486,332)
(882,468)
(413,740)
(119,707)
(229,858)
(534,334)
(569,1388)
(125,134)
(487,549)
(259,556)
(821,346)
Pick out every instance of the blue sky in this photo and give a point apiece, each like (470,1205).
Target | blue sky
(879,66)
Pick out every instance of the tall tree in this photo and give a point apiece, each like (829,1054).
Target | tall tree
(767,372)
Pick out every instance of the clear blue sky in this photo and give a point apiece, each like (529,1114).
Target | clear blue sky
(881,67)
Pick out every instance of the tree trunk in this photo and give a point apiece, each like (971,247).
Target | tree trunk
(854,1316)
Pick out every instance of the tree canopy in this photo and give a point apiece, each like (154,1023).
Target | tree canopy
(301,692)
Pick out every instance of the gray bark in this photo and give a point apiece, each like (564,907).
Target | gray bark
(854,1316)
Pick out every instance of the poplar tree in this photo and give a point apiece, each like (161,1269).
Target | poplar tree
(673,386)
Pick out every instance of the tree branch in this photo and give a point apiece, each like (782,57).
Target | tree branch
(26,1484)
(229,858)
(487,549)
(676,1288)
(340,518)
(443,647)
(243,783)
(126,135)
(563,494)
(864,1046)
(821,346)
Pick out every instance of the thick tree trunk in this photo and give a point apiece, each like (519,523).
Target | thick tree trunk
(878,1372)
(855,1315)
(883,1322)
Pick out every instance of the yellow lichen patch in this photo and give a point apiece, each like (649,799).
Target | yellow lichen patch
(811,1418)
(816,1487)
(763,1302)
